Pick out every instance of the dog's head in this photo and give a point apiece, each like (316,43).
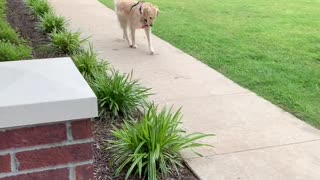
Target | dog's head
(149,14)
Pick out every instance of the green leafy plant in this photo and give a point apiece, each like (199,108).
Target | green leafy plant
(118,94)
(88,64)
(11,52)
(8,34)
(30,2)
(39,7)
(67,41)
(150,147)
(50,22)
(12,46)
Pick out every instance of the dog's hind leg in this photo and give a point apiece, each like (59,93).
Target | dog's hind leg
(148,33)
(133,37)
(123,24)
(125,34)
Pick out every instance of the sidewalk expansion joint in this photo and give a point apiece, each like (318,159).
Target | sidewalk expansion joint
(255,149)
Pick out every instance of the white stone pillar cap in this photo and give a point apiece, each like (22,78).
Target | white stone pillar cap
(43,91)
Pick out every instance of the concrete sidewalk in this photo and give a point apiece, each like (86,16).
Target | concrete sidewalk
(254,138)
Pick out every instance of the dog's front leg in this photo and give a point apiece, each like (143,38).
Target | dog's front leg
(133,37)
(125,35)
(148,33)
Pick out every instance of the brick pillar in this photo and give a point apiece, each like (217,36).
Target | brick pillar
(61,151)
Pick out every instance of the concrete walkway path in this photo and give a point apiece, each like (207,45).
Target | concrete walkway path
(254,139)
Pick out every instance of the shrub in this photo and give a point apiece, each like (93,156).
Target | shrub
(39,7)
(8,34)
(67,41)
(11,46)
(88,64)
(3,5)
(31,2)
(151,146)
(11,52)
(50,22)
(118,94)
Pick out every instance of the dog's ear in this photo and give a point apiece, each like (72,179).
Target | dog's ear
(144,11)
(157,10)
(141,9)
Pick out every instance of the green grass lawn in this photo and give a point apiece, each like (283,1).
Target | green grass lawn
(11,46)
(270,47)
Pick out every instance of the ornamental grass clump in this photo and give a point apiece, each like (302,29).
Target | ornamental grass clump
(67,41)
(150,147)
(50,22)
(118,94)
(88,64)
(39,7)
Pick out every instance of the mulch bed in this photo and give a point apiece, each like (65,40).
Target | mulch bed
(24,22)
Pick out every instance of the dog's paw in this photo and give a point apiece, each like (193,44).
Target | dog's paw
(151,52)
(134,46)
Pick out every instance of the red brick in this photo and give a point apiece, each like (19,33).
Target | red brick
(59,174)
(31,136)
(84,172)
(81,129)
(54,156)
(5,163)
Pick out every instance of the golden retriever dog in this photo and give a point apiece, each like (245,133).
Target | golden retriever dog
(136,15)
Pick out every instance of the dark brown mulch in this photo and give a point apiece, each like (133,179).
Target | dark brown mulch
(25,23)
(103,168)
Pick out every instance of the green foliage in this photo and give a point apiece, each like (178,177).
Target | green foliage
(150,147)
(8,34)
(11,52)
(3,9)
(30,2)
(118,94)
(88,64)
(50,22)
(39,7)
(67,41)
(11,46)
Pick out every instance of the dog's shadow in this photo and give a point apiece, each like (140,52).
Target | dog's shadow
(119,40)
(122,46)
